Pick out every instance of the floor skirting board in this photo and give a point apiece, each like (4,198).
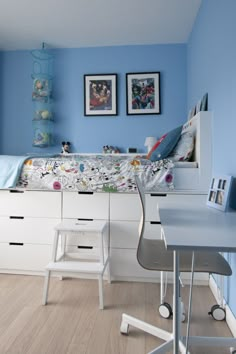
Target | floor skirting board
(230,318)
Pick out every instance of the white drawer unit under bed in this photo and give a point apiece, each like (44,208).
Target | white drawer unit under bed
(27,221)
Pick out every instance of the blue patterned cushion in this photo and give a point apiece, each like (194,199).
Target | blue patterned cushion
(165,145)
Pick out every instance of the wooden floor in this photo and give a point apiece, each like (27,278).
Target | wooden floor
(71,323)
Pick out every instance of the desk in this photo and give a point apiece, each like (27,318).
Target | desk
(196,228)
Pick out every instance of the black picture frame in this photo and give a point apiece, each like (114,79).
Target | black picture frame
(143,93)
(100,95)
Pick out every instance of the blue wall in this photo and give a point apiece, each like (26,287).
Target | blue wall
(211,67)
(1,114)
(89,134)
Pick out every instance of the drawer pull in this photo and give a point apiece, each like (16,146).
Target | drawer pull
(85,247)
(16,217)
(16,244)
(158,195)
(82,219)
(15,191)
(155,222)
(85,192)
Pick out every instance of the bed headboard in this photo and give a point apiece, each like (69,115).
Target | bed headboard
(198,178)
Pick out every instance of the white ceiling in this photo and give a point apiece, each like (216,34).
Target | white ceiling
(25,24)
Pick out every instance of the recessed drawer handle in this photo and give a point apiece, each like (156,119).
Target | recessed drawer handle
(82,219)
(16,217)
(155,222)
(85,247)
(15,191)
(85,192)
(16,244)
(158,195)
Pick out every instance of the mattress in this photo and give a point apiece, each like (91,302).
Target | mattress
(109,173)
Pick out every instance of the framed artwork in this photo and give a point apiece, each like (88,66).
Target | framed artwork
(143,93)
(218,195)
(100,95)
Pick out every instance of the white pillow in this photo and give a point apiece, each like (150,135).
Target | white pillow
(184,148)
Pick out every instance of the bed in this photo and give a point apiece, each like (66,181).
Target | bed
(48,189)
(115,172)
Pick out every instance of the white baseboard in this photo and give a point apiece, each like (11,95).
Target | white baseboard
(230,318)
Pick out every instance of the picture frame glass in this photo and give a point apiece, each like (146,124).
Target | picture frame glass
(143,93)
(100,95)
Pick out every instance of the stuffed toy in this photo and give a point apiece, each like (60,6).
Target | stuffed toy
(65,147)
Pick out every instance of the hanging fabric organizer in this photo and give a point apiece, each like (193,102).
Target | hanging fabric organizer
(42,98)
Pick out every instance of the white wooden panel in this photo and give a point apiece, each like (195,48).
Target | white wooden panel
(83,239)
(25,258)
(125,206)
(123,263)
(186,178)
(152,231)
(83,253)
(172,201)
(30,203)
(124,234)
(86,206)
(27,230)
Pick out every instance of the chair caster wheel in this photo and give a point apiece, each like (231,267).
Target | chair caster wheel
(165,310)
(218,313)
(232,351)
(124,328)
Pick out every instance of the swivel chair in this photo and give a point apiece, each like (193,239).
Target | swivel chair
(152,255)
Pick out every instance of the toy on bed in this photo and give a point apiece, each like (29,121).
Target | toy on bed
(65,147)
(110,150)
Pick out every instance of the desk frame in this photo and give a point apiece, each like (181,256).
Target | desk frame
(207,227)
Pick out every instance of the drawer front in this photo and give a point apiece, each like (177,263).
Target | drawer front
(30,203)
(124,264)
(182,200)
(86,206)
(27,230)
(124,234)
(25,258)
(85,252)
(125,206)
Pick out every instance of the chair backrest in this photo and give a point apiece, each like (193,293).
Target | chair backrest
(142,202)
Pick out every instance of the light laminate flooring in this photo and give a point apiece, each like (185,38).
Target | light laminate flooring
(71,323)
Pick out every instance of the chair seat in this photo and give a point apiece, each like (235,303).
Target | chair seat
(152,255)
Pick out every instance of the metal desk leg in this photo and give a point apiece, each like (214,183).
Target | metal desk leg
(176,314)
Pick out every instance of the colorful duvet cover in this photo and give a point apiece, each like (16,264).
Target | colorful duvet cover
(92,173)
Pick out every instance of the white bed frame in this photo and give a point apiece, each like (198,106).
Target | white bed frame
(197,178)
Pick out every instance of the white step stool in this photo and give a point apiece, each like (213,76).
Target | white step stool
(92,233)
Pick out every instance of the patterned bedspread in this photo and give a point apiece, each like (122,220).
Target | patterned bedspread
(108,173)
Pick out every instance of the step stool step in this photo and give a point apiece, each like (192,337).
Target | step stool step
(81,226)
(80,267)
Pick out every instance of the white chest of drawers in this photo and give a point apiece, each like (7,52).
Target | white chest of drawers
(27,221)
